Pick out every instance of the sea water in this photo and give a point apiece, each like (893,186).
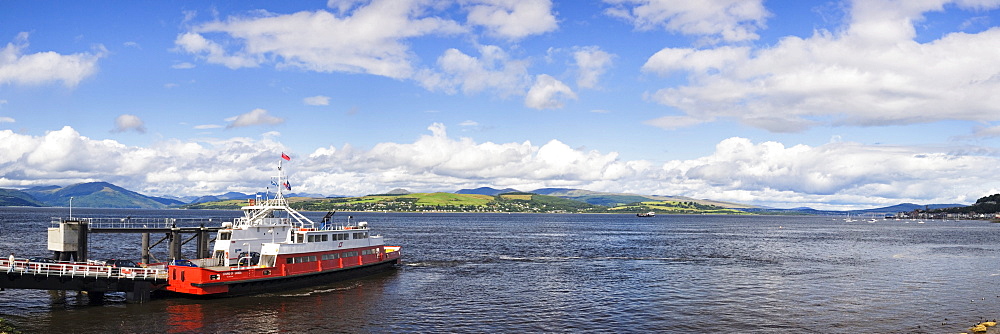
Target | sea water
(574,273)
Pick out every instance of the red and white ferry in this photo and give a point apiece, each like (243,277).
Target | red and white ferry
(274,247)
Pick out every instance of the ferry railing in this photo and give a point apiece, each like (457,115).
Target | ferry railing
(74,269)
(261,222)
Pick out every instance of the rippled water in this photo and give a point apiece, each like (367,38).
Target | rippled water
(580,273)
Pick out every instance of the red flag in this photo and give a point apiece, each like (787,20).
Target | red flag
(285,156)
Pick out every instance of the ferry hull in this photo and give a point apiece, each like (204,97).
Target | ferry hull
(281,283)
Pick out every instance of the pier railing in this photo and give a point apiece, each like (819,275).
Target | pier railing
(78,269)
(140,223)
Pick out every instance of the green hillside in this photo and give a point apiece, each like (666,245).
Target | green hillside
(94,195)
(672,207)
(451,202)
(617,199)
(11,197)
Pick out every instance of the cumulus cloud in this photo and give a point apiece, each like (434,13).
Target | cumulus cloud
(494,70)
(836,172)
(254,117)
(318,100)
(126,122)
(548,93)
(837,175)
(729,20)
(16,67)
(591,63)
(319,40)
(871,73)
(512,19)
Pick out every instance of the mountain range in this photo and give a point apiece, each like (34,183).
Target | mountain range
(107,195)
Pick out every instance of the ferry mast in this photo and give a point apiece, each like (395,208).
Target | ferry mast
(261,209)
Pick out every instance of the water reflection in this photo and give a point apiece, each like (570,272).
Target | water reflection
(184,318)
(338,307)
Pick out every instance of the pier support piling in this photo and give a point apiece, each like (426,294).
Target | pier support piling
(82,237)
(175,243)
(145,248)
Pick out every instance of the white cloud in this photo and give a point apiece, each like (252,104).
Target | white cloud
(44,67)
(183,66)
(871,73)
(836,175)
(126,122)
(512,19)
(730,20)
(320,41)
(591,62)
(214,53)
(208,126)
(6,120)
(493,71)
(318,100)
(254,117)
(836,172)
(675,122)
(548,93)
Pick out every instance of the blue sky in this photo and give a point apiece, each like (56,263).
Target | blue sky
(826,104)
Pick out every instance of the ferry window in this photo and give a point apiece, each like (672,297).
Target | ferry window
(298,238)
(225,235)
(326,237)
(310,238)
(289,260)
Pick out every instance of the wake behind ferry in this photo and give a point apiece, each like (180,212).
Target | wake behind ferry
(274,247)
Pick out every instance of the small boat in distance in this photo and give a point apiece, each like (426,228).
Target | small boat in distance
(274,247)
(647,214)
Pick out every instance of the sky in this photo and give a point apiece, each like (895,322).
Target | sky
(824,104)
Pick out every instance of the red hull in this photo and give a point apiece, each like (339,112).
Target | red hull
(243,280)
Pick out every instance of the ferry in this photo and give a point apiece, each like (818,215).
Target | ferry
(274,247)
(647,214)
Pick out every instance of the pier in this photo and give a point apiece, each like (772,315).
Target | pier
(95,279)
(68,239)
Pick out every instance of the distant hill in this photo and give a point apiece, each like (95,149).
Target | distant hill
(486,191)
(904,207)
(11,197)
(227,196)
(615,199)
(166,201)
(907,207)
(95,195)
(395,192)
